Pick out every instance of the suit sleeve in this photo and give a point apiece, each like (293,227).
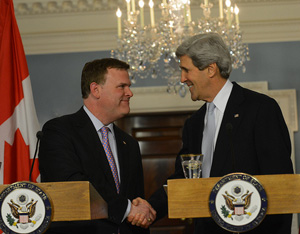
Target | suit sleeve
(272,141)
(57,157)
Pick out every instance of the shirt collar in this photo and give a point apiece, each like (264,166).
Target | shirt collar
(96,122)
(222,97)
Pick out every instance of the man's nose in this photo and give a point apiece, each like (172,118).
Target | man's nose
(183,78)
(129,92)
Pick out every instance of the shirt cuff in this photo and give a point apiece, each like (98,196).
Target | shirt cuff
(127,210)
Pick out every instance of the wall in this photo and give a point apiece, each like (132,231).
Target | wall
(56,77)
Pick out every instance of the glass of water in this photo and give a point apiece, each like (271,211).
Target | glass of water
(191,165)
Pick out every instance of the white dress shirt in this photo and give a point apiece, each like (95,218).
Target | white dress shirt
(220,102)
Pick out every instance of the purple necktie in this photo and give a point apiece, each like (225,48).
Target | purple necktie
(109,155)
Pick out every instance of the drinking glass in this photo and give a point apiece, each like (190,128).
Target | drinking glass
(192,165)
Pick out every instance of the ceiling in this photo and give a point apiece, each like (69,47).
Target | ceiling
(60,26)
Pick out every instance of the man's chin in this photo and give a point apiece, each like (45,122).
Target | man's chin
(126,111)
(193,97)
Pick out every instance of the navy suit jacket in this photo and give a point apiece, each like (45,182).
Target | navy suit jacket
(253,138)
(71,150)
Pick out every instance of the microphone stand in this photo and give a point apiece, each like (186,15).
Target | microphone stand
(39,135)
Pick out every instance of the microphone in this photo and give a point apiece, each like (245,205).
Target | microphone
(39,136)
(229,128)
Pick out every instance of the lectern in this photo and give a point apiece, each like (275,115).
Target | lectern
(73,201)
(189,198)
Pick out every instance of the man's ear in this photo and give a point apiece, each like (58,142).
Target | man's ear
(95,90)
(212,69)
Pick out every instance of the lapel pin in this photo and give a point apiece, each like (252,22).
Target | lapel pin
(124,142)
(236,115)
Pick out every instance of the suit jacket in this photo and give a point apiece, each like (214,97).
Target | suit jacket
(71,150)
(253,138)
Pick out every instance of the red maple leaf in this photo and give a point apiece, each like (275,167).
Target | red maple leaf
(17,162)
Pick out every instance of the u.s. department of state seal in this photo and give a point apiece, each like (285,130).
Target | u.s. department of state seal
(238,202)
(25,208)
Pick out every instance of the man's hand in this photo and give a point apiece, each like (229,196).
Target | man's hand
(141,213)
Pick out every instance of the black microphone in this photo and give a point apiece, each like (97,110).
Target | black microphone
(39,136)
(229,128)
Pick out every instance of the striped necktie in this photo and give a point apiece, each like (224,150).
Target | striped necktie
(208,140)
(104,132)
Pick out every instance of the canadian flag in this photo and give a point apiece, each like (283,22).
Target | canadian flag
(18,120)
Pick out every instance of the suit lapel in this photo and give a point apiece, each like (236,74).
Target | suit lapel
(232,116)
(198,125)
(124,163)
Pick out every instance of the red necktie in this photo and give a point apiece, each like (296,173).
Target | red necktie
(109,155)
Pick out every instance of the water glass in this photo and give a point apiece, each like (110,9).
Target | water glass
(191,165)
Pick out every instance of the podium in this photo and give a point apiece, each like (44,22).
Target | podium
(73,201)
(189,198)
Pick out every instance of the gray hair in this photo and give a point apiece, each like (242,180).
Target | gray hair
(205,49)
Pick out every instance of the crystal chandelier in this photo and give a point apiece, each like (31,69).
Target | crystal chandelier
(150,49)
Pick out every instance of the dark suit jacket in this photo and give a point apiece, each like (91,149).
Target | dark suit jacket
(71,150)
(253,138)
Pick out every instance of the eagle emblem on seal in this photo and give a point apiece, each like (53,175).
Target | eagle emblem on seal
(238,203)
(22,211)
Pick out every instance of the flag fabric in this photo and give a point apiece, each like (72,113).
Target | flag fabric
(18,120)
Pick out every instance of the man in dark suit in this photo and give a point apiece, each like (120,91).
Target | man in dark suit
(87,146)
(250,134)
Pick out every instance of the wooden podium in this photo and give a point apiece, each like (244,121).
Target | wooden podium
(189,198)
(72,201)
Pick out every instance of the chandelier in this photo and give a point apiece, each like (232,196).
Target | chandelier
(150,49)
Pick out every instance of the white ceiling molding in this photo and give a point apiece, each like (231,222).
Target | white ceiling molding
(60,26)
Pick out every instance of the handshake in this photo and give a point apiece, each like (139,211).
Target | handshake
(141,213)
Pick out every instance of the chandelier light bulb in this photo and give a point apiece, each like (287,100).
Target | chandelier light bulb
(221,9)
(128,9)
(119,13)
(141,3)
(151,4)
(228,3)
(236,11)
